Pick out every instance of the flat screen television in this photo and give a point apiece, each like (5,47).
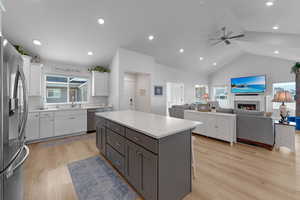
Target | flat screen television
(250,84)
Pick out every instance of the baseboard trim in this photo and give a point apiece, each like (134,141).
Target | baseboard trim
(55,137)
(266,146)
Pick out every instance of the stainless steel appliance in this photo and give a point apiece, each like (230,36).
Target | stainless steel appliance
(91,120)
(91,117)
(13,117)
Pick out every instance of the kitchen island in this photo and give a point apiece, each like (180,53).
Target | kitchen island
(152,152)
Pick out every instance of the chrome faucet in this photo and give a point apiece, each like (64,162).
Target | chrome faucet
(73,102)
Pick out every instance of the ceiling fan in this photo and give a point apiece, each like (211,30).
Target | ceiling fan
(225,37)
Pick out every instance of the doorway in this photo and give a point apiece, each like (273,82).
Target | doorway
(136,92)
(129,92)
(175,95)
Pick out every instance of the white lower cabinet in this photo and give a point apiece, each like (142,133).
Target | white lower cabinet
(68,122)
(42,125)
(221,126)
(33,126)
(46,125)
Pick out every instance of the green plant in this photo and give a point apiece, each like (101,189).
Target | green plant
(99,69)
(295,68)
(21,50)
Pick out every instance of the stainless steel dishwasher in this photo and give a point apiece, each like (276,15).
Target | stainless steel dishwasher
(91,118)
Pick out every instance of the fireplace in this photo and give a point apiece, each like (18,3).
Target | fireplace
(247,105)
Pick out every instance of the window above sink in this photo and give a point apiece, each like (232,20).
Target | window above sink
(65,89)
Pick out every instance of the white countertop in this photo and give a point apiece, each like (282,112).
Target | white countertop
(156,126)
(65,109)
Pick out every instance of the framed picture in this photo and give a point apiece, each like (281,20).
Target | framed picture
(158,90)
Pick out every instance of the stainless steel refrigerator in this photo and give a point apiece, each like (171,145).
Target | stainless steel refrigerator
(13,117)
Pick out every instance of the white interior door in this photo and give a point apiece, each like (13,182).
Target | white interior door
(129,95)
(175,94)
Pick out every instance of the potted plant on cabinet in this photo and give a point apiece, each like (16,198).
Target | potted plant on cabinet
(99,69)
(100,79)
(296,70)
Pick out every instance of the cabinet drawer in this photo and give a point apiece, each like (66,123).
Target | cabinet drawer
(143,140)
(116,141)
(47,114)
(69,113)
(116,158)
(116,127)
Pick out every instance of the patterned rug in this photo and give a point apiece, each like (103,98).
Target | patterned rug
(94,179)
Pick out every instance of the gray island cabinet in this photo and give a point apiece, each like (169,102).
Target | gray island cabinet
(152,152)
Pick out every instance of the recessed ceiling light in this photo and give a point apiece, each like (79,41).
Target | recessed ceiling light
(101,21)
(37,42)
(276,52)
(214,64)
(150,37)
(90,53)
(201,58)
(269,3)
(181,50)
(275,27)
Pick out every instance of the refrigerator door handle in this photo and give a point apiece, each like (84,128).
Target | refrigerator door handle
(12,168)
(22,128)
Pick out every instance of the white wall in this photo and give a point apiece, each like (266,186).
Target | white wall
(143,99)
(114,93)
(276,70)
(130,61)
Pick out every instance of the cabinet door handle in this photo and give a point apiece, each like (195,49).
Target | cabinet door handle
(138,153)
(72,118)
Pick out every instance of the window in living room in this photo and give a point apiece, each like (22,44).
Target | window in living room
(220,94)
(288,86)
(200,92)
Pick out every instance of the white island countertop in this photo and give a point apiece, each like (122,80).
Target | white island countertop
(156,126)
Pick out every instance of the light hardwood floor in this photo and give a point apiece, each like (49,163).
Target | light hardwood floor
(240,172)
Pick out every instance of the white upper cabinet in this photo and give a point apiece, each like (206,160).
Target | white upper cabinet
(100,84)
(35,80)
(33,74)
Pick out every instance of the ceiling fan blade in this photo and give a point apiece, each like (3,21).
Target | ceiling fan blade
(227,42)
(236,36)
(215,43)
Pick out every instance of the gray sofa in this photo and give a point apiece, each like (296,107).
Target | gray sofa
(178,110)
(252,126)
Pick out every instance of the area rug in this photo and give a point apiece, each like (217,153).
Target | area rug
(94,179)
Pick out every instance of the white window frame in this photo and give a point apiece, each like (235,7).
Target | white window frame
(68,89)
(224,105)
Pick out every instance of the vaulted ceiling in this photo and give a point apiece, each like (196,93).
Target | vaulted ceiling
(68,29)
